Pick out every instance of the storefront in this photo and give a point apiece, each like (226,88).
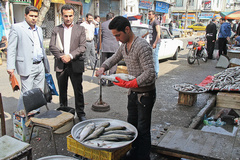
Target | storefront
(205,17)
(191,19)
(162,9)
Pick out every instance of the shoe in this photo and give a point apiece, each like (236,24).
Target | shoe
(129,156)
(82,118)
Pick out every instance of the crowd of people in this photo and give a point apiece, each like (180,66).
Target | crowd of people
(221,36)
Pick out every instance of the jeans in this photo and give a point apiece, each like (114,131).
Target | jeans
(139,115)
(155,58)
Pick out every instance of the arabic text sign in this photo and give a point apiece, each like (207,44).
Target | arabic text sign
(162,7)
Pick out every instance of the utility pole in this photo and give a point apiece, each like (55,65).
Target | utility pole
(186,14)
(197,12)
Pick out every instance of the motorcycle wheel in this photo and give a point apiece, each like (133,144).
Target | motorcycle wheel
(190,56)
(204,55)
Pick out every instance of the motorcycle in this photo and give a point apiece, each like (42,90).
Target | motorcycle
(197,51)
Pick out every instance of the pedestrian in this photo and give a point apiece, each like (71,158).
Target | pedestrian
(96,31)
(154,38)
(137,54)
(26,53)
(171,27)
(211,31)
(238,29)
(235,25)
(89,26)
(109,44)
(223,36)
(237,41)
(69,62)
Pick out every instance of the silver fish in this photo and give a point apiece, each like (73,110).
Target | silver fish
(95,134)
(115,128)
(116,137)
(119,132)
(104,124)
(123,76)
(87,130)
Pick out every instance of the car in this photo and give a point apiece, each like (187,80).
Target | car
(197,27)
(169,46)
(177,33)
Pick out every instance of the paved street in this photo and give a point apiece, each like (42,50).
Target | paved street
(166,110)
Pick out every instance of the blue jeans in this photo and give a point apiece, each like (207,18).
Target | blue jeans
(155,58)
(139,115)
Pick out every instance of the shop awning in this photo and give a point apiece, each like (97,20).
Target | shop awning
(217,16)
(74,2)
(191,16)
(58,1)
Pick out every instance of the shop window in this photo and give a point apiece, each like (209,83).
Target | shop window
(179,3)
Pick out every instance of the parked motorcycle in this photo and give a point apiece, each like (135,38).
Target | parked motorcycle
(197,50)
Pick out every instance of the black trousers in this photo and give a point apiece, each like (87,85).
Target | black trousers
(222,45)
(76,79)
(139,114)
(210,46)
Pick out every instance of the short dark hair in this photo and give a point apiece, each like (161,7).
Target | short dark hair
(67,7)
(95,17)
(223,19)
(110,15)
(213,20)
(31,8)
(153,12)
(119,23)
(89,14)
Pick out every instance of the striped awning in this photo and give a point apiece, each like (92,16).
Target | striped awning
(191,16)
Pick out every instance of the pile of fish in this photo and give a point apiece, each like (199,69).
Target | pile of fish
(123,76)
(228,79)
(190,88)
(105,133)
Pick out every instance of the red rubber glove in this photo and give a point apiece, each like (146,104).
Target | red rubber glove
(126,84)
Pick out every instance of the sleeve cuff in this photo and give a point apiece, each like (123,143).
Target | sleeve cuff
(71,56)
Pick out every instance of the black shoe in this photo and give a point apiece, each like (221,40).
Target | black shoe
(129,156)
(82,118)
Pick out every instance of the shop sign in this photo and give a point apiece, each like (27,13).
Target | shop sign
(162,7)
(207,5)
(146,4)
(206,15)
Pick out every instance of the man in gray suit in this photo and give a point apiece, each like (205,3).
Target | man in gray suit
(109,44)
(26,54)
(69,62)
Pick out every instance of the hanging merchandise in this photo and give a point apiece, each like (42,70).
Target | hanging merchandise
(87,1)
(4,18)
(2,32)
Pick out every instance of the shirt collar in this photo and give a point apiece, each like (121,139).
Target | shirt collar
(66,26)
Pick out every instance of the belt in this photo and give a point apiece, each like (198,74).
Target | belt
(37,62)
(89,41)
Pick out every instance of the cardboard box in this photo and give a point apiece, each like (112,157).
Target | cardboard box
(19,128)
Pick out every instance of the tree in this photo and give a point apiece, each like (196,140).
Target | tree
(43,11)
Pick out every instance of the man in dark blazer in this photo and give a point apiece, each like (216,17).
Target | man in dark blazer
(109,44)
(211,32)
(68,44)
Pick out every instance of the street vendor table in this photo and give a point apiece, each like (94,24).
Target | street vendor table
(234,53)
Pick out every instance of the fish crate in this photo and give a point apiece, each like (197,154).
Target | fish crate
(93,154)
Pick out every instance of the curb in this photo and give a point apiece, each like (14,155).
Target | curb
(211,103)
